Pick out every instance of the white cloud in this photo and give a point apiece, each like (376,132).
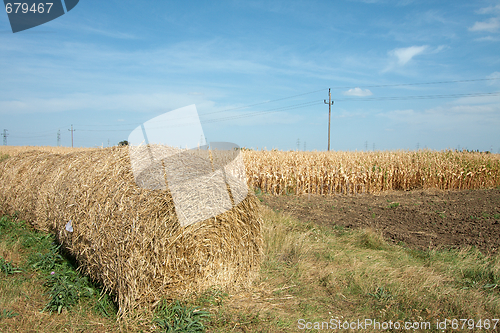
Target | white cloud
(494,75)
(487,39)
(404,55)
(491,25)
(357,92)
(487,10)
(401,56)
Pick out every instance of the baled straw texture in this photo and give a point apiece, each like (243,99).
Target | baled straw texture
(127,237)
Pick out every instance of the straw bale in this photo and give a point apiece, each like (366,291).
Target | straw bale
(127,237)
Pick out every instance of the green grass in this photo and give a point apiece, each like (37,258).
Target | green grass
(8,268)
(37,278)
(394,205)
(180,317)
(312,272)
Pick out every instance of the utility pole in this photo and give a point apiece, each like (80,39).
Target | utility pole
(58,138)
(72,130)
(298,144)
(330,102)
(5,135)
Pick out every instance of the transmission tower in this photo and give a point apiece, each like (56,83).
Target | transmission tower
(5,135)
(58,138)
(298,144)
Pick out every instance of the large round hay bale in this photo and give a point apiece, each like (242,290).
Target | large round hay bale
(127,237)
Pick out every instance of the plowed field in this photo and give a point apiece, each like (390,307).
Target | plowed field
(419,219)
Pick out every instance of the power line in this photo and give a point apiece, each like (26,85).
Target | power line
(307,104)
(230,109)
(418,83)
(315,91)
(257,113)
(32,136)
(402,98)
(296,106)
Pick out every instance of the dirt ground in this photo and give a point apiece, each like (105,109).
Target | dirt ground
(420,219)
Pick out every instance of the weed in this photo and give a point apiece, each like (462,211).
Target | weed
(46,262)
(212,297)
(5,314)
(105,307)
(486,215)
(369,239)
(65,289)
(373,215)
(496,216)
(381,294)
(179,317)
(8,268)
(6,223)
(394,205)
(38,240)
(3,157)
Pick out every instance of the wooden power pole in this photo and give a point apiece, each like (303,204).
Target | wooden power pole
(330,103)
(72,130)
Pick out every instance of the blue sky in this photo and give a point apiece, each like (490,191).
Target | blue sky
(108,66)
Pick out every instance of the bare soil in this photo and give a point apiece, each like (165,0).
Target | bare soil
(423,219)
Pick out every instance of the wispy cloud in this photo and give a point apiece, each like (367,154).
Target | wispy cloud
(401,56)
(404,55)
(152,102)
(490,9)
(487,39)
(494,75)
(357,92)
(490,25)
(462,116)
(112,34)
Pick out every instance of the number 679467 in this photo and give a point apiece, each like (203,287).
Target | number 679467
(18,7)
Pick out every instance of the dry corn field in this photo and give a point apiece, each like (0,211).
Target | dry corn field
(331,173)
